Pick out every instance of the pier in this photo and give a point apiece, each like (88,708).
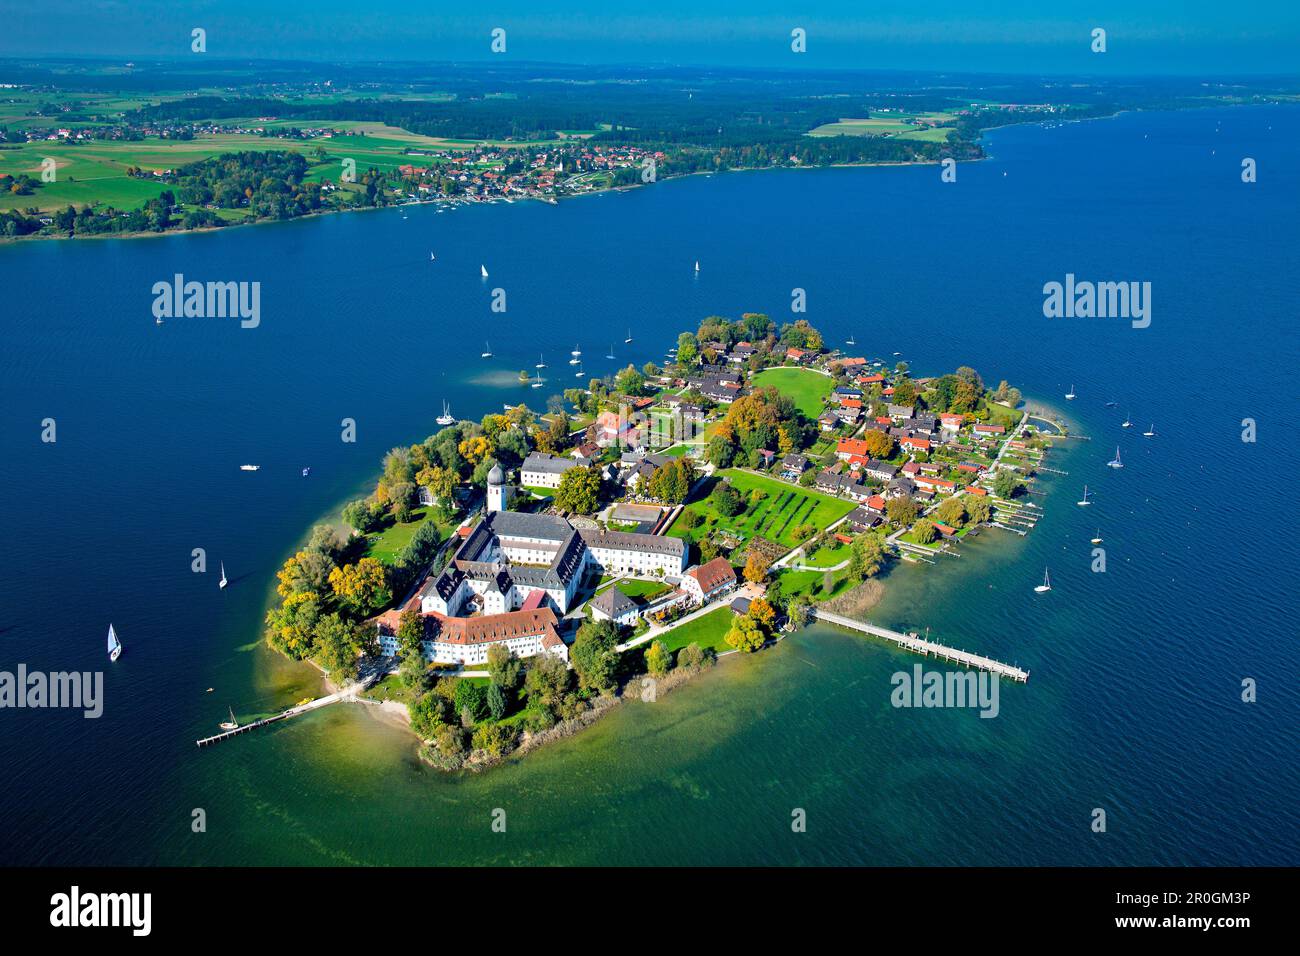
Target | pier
(919,645)
(348,693)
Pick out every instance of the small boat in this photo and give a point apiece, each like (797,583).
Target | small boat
(541,361)
(1097,539)
(230,724)
(1150,432)
(538,383)
(432,257)
(446,418)
(1126,423)
(223,582)
(306,472)
(577,352)
(1046,585)
(487,350)
(697,265)
(249,467)
(1111,404)
(850,341)
(1085,502)
(628,340)
(1116,462)
(1069,396)
(157,321)
(211,689)
(574,361)
(578,374)
(483,271)
(114,645)
(610,356)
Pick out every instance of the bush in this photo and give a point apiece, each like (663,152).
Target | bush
(727,501)
(496,739)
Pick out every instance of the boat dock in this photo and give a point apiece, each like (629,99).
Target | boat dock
(348,693)
(918,644)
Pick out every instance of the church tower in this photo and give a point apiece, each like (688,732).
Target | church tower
(498,492)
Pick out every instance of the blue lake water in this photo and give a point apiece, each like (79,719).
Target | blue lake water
(1134,701)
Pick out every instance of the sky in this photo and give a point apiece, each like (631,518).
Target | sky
(1211,37)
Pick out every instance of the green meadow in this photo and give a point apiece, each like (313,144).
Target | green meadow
(775,516)
(808,389)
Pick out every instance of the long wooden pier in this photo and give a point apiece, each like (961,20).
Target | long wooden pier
(918,644)
(347,693)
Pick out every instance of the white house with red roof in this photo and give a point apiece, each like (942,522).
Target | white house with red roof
(704,582)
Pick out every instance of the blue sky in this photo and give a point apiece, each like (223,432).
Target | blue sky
(1143,36)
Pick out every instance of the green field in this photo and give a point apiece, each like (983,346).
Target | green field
(775,517)
(808,389)
(891,124)
(384,546)
(707,631)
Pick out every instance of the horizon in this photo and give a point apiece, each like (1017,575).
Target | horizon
(1167,38)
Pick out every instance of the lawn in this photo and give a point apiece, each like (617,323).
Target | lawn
(811,584)
(707,631)
(808,389)
(775,517)
(385,545)
(641,591)
(827,557)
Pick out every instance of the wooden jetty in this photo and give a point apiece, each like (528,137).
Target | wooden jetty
(919,645)
(348,693)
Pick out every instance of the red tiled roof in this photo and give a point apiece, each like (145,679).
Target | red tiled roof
(714,574)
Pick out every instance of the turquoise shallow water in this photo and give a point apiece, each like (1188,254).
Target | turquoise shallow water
(1133,704)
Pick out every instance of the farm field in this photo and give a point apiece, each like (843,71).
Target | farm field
(774,517)
(888,125)
(808,389)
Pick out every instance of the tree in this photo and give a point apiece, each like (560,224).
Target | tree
(672,481)
(503,667)
(756,568)
(688,349)
(692,655)
(629,381)
(745,634)
(865,557)
(658,659)
(336,648)
(878,444)
(546,681)
(440,481)
(410,629)
(1005,484)
(951,512)
(471,701)
(362,515)
(978,508)
(362,586)
(726,500)
(904,392)
(496,739)
(594,655)
(925,531)
(902,511)
(496,701)
(764,614)
(291,627)
(579,490)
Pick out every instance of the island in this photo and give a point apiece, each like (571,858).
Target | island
(510,580)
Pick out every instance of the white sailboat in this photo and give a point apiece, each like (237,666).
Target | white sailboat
(576,351)
(1117,462)
(1097,539)
(1046,585)
(249,467)
(1150,432)
(446,418)
(114,645)
(851,340)
(579,373)
(223,582)
(1069,396)
(230,724)
(628,340)
(610,356)
(483,271)
(538,382)
(1084,502)
(697,266)
(1127,423)
(432,257)
(541,361)
(487,350)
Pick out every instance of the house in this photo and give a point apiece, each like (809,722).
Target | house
(614,605)
(900,413)
(970,466)
(740,353)
(917,444)
(704,582)
(828,421)
(912,468)
(843,392)
(611,428)
(741,605)
(724,393)
(935,484)
(876,503)
(847,448)
(587,452)
(796,355)
(466,640)
(983,429)
(541,470)
(792,466)
(863,519)
(868,380)
(848,416)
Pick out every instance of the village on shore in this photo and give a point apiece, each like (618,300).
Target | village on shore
(510,579)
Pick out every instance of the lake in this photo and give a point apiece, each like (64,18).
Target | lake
(1134,702)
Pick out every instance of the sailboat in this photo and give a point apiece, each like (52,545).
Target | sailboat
(1150,432)
(538,382)
(611,351)
(230,724)
(1046,585)
(1097,539)
(576,351)
(487,350)
(223,582)
(579,373)
(851,340)
(432,257)
(1085,502)
(114,645)
(1069,396)
(1116,463)
(628,340)
(483,271)
(541,361)
(446,418)
(249,467)
(1127,423)
(697,266)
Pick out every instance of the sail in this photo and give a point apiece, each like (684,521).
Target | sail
(113,643)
